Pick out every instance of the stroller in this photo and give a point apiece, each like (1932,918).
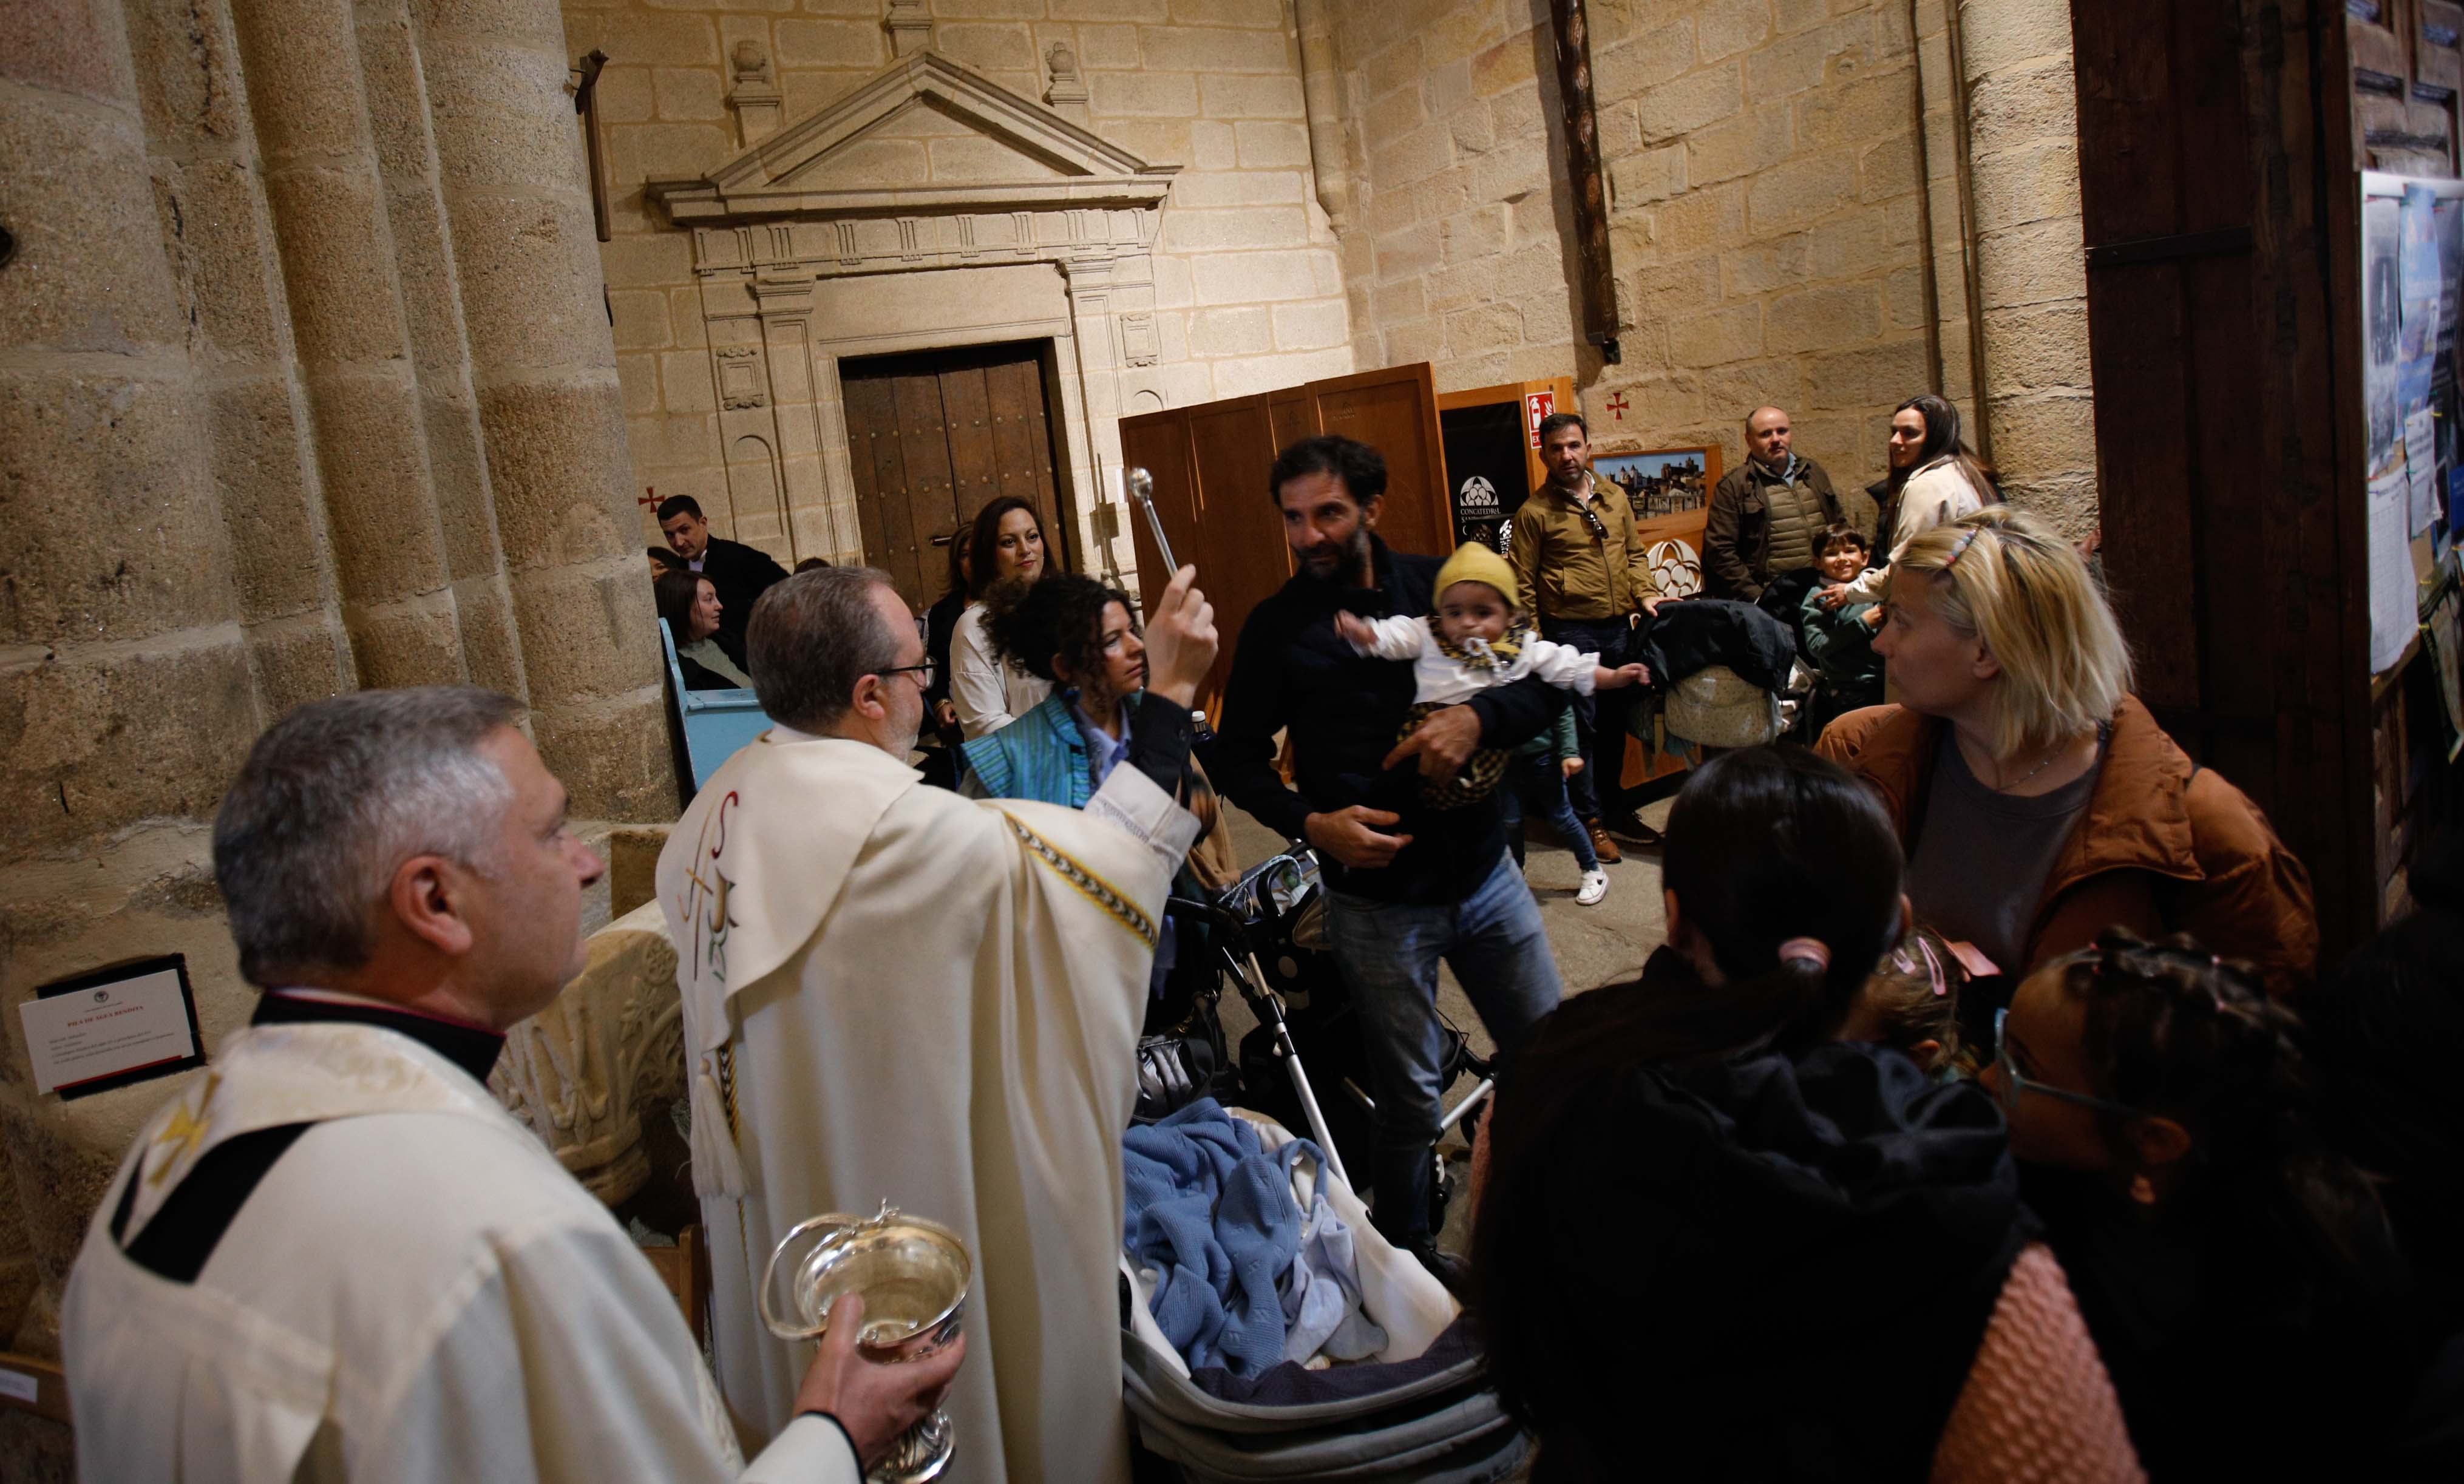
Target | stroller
(1267,933)
(1424,1411)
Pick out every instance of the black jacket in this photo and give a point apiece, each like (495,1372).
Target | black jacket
(1700,632)
(698,677)
(1344,712)
(1784,1262)
(941,626)
(741,573)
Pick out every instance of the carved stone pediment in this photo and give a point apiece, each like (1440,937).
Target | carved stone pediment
(923,137)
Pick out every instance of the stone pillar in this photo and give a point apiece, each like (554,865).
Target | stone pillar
(219,227)
(543,366)
(353,342)
(910,24)
(2022,131)
(301,350)
(430,286)
(128,693)
(1064,87)
(755,97)
(798,487)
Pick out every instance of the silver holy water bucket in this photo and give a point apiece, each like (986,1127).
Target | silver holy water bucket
(913,1275)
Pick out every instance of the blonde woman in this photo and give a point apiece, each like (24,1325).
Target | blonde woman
(2038,801)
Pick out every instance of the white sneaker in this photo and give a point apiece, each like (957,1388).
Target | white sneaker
(1596,886)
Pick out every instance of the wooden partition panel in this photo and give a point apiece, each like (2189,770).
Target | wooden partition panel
(2218,219)
(1210,464)
(1395,412)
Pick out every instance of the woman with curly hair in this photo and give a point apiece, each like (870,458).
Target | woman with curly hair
(1079,638)
(2237,1272)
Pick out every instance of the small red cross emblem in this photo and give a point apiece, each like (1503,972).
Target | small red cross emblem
(650,496)
(1617,405)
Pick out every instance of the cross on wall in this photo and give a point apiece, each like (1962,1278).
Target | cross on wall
(1617,405)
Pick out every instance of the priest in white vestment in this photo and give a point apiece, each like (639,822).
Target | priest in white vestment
(893,993)
(334,1257)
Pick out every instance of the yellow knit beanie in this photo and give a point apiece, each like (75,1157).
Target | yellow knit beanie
(1473,562)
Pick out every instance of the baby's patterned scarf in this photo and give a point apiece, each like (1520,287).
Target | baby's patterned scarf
(1479,653)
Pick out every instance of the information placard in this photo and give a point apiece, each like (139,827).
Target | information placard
(112,1027)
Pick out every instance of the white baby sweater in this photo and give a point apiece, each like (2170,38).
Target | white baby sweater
(1441,680)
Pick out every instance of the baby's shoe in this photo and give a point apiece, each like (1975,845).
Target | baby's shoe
(1596,886)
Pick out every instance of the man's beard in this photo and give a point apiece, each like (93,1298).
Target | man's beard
(1348,560)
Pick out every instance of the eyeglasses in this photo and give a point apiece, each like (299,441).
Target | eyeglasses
(923,674)
(2015,1083)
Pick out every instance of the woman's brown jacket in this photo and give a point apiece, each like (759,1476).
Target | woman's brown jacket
(2166,847)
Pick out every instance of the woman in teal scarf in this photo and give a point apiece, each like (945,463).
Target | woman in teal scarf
(1080,635)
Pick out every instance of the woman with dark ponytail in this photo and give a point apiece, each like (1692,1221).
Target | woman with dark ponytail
(1712,1242)
(2237,1271)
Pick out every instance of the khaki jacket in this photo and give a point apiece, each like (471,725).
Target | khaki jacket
(1563,568)
(2166,847)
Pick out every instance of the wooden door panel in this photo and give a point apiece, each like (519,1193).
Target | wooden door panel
(1395,412)
(975,467)
(880,476)
(923,508)
(934,436)
(1016,398)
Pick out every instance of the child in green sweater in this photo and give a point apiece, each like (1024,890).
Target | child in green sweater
(1535,780)
(1848,675)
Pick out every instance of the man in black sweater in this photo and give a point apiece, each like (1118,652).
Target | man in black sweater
(739,571)
(1408,885)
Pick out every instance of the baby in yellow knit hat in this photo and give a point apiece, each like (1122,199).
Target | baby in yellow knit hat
(1477,639)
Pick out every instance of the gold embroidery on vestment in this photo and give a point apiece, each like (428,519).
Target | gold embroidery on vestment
(1095,889)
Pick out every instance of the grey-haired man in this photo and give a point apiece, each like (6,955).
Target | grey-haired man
(334,1257)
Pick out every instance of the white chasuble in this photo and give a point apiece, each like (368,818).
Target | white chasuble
(415,1291)
(893,993)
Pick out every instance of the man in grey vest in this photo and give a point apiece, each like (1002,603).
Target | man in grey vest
(1766,514)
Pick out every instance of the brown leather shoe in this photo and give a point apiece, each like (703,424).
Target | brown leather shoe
(1601,845)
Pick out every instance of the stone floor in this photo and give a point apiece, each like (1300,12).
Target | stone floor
(1594,945)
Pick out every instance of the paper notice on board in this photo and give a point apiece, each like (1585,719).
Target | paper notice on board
(2421,469)
(2395,603)
(2383,328)
(107,1030)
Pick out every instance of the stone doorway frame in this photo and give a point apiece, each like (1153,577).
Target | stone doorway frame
(766,243)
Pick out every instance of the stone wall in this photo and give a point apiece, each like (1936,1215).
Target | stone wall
(1766,223)
(1783,229)
(1247,290)
(304,385)
(1460,256)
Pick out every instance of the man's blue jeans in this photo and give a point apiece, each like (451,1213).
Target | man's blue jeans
(1388,952)
(1600,719)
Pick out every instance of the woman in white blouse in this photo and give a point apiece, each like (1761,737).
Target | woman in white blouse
(988,694)
(1935,479)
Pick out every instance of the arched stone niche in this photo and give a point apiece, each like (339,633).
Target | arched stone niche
(926,209)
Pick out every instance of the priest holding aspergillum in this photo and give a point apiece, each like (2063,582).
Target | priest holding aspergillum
(894,993)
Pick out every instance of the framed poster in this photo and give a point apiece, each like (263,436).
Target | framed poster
(1670,492)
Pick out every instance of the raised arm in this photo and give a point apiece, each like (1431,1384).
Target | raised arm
(1400,637)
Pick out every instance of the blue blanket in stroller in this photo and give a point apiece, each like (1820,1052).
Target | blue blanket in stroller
(1212,1213)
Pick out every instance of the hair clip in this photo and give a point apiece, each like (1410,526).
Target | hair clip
(1961,550)
(1813,950)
